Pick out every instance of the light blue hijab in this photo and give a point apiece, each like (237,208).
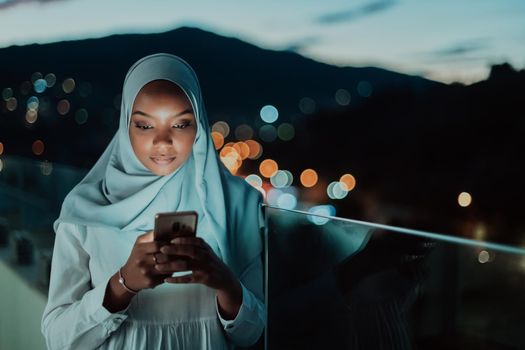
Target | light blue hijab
(119,192)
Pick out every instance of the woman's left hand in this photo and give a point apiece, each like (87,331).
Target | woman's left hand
(193,253)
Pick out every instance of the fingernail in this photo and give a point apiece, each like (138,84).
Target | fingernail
(175,240)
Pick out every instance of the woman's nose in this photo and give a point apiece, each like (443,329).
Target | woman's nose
(163,137)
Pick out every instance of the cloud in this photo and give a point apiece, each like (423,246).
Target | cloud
(10,3)
(356,13)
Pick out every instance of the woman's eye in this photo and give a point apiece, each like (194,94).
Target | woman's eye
(143,126)
(182,125)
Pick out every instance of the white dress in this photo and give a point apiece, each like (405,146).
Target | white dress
(170,316)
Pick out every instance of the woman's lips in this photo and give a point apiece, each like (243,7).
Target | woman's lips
(162,160)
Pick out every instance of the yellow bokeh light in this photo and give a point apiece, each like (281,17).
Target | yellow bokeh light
(38,147)
(218,139)
(348,182)
(268,167)
(309,178)
(464,199)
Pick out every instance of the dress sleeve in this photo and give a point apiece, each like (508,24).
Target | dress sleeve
(250,321)
(74,317)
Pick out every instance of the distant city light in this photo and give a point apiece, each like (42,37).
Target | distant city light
(256,149)
(464,199)
(269,114)
(68,85)
(243,149)
(287,201)
(281,179)
(1,165)
(50,79)
(273,196)
(11,104)
(33,102)
(268,168)
(7,93)
(268,133)
(230,158)
(286,131)
(483,257)
(63,107)
(254,180)
(309,178)
(40,85)
(307,105)
(364,89)
(38,147)
(31,116)
(325,210)
(221,127)
(1,148)
(336,190)
(348,182)
(218,139)
(81,116)
(243,132)
(46,168)
(342,97)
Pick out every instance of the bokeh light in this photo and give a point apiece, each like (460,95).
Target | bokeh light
(280,179)
(50,79)
(464,199)
(33,103)
(484,257)
(218,139)
(221,127)
(286,131)
(63,107)
(269,114)
(336,190)
(325,210)
(11,104)
(1,165)
(342,97)
(31,116)
(254,180)
(68,85)
(38,147)
(35,76)
(46,168)
(307,105)
(242,149)
(7,93)
(1,148)
(364,89)
(268,168)
(40,85)
(348,181)
(256,149)
(268,133)
(243,132)
(287,201)
(81,116)
(273,196)
(230,158)
(309,178)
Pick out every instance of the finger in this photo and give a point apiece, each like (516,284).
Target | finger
(193,241)
(184,250)
(180,279)
(173,266)
(152,247)
(145,237)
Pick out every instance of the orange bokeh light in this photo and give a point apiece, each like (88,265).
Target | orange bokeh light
(218,139)
(255,149)
(243,149)
(309,178)
(38,147)
(348,181)
(268,167)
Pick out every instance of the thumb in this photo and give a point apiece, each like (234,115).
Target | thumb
(145,237)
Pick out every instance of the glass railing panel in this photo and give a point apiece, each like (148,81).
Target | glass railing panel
(341,284)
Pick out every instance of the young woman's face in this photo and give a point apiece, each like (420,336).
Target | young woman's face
(163,127)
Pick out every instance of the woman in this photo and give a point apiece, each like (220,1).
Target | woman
(111,284)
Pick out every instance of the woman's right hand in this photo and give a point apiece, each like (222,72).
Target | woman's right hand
(139,271)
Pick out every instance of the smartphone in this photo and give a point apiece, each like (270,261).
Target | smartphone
(173,224)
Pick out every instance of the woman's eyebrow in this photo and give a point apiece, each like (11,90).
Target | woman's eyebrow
(186,111)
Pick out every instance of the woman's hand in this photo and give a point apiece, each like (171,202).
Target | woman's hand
(193,253)
(139,271)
